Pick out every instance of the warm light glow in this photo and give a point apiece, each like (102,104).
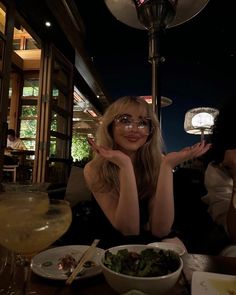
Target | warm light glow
(202,120)
(92,113)
(77,96)
(48,24)
(148,98)
(165,101)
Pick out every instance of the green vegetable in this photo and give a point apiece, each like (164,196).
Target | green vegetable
(148,263)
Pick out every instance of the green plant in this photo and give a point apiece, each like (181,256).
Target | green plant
(80,148)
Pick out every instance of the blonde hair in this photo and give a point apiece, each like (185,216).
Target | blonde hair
(148,157)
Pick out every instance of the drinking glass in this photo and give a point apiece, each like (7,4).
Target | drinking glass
(25,198)
(30,224)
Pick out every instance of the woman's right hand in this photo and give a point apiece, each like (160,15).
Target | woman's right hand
(115,156)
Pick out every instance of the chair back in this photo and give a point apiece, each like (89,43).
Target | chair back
(76,189)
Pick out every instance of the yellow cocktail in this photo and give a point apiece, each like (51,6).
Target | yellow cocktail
(28,233)
(28,227)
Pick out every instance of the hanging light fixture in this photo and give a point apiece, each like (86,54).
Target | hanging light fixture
(200,120)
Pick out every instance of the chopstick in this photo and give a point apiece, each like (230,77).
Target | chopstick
(85,257)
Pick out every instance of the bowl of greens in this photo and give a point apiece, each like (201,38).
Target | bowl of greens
(141,267)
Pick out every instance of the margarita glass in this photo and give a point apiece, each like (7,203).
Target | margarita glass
(27,229)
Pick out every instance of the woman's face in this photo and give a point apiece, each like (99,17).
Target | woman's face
(131,129)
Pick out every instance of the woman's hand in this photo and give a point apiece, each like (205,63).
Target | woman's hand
(173,159)
(115,156)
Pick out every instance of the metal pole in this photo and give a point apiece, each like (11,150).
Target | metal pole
(154,59)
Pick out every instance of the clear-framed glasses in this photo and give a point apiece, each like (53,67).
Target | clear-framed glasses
(144,125)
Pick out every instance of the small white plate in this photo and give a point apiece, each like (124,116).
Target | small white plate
(208,283)
(45,264)
(169,246)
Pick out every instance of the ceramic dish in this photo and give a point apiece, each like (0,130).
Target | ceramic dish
(152,285)
(47,263)
(207,283)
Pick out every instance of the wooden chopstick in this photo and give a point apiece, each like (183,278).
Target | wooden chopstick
(85,257)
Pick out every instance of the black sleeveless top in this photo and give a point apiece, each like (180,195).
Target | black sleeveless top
(109,236)
(89,223)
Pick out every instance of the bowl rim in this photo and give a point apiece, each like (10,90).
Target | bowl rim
(179,269)
(175,247)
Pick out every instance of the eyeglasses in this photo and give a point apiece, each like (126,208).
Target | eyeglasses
(127,123)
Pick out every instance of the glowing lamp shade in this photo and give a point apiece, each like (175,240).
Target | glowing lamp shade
(200,120)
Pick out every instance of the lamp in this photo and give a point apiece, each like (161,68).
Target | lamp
(155,16)
(200,120)
(165,101)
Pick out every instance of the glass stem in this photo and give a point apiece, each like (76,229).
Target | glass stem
(27,276)
(11,289)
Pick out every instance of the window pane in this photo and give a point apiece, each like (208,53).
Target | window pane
(31,44)
(16,44)
(57,147)
(30,145)
(59,99)
(59,123)
(31,87)
(29,111)
(52,148)
(28,128)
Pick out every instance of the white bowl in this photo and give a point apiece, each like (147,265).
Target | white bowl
(169,246)
(122,283)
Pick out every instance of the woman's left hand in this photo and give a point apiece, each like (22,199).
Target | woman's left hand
(175,158)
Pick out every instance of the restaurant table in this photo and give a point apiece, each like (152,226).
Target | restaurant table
(98,285)
(24,171)
(22,155)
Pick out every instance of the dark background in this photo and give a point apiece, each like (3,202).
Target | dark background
(199,68)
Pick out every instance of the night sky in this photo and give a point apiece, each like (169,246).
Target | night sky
(199,68)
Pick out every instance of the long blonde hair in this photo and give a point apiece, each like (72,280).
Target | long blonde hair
(148,157)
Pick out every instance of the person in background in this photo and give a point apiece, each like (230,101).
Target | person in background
(130,177)
(220,174)
(14,142)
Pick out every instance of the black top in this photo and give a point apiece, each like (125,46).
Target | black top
(89,223)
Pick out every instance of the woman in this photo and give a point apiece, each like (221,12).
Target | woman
(129,177)
(220,175)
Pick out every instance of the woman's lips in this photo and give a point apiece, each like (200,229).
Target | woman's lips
(133,138)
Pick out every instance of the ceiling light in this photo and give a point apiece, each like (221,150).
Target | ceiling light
(48,24)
